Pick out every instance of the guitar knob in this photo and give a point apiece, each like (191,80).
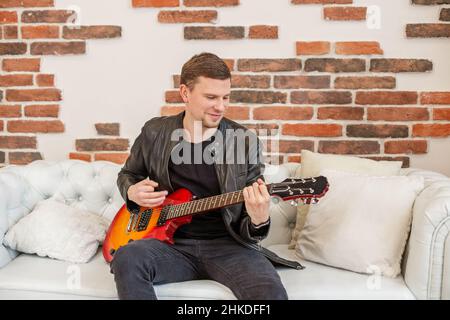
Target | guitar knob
(275,200)
(294,203)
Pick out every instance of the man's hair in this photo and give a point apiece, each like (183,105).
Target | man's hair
(203,65)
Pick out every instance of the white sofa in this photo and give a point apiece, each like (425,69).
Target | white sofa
(426,264)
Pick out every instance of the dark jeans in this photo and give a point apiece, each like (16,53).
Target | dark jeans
(142,263)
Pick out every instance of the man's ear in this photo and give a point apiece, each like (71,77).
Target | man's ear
(184,92)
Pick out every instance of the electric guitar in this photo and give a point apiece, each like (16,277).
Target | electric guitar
(178,208)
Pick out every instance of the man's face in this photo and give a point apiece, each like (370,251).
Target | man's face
(208,100)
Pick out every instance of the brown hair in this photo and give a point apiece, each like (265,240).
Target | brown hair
(203,65)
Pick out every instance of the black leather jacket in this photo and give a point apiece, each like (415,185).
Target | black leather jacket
(149,157)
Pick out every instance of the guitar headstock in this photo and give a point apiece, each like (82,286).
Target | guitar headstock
(308,190)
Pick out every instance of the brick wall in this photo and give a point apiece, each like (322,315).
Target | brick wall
(335,96)
(29,97)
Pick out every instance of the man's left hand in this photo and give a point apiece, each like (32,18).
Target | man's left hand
(257,202)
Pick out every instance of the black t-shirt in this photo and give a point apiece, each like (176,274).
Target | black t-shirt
(201,179)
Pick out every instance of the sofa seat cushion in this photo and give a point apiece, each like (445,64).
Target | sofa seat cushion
(319,281)
(40,277)
(34,277)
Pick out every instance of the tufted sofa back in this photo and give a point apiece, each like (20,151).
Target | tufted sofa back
(92,186)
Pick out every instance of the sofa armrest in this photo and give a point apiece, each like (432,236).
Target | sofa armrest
(428,252)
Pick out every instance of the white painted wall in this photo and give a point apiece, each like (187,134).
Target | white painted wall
(124,80)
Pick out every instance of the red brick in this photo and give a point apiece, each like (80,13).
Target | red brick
(1,126)
(358,47)
(441,114)
(349,147)
(406,147)
(40,32)
(155,3)
(102,144)
(213,33)
(431,130)
(25,64)
(365,82)
(263,97)
(44,111)
(184,16)
(8,17)
(250,81)
(13,48)
(118,158)
(345,13)
(263,32)
(26,3)
(17,142)
(108,129)
(312,47)
(386,97)
(92,32)
(428,30)
(322,1)
(321,97)
(210,3)
(335,65)
(312,130)
(400,65)
(283,113)
(45,80)
(397,114)
(31,126)
(377,131)
(302,82)
(48,16)
(11,32)
(340,113)
(33,95)
(16,80)
(12,111)
(80,156)
(22,158)
(435,98)
(269,65)
(58,48)
(237,113)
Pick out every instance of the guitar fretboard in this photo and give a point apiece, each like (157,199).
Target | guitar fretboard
(205,204)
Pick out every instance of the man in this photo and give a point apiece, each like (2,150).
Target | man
(222,245)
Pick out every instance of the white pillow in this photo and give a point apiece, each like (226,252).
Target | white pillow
(58,231)
(362,223)
(313,163)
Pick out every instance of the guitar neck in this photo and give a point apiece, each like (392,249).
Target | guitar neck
(205,204)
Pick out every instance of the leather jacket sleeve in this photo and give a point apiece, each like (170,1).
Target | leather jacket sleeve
(133,171)
(255,171)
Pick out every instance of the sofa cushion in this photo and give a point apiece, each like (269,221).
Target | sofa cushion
(59,231)
(34,277)
(313,163)
(31,273)
(362,223)
(318,281)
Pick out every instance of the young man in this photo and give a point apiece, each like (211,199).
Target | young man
(222,245)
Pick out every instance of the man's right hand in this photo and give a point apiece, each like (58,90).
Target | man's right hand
(143,193)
